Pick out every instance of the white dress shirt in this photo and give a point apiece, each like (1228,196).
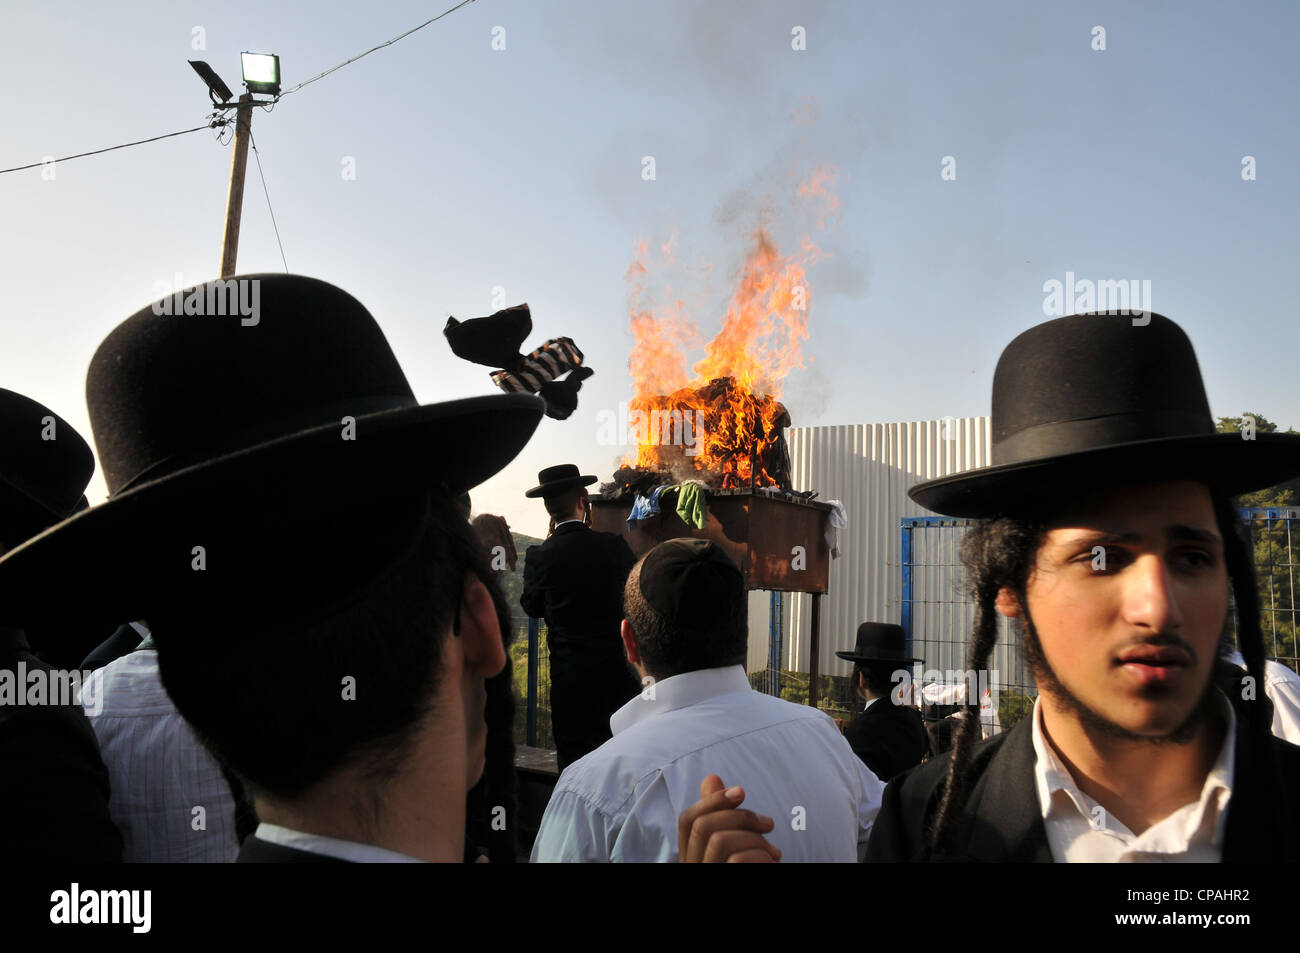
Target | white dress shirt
(331,846)
(621,802)
(1080,830)
(1282,688)
(158,772)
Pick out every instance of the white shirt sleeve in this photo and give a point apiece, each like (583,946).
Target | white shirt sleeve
(648,835)
(1283,688)
(573,832)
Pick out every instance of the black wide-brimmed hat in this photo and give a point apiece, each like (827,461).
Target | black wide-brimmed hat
(45,466)
(227,408)
(1097,400)
(880,642)
(556,480)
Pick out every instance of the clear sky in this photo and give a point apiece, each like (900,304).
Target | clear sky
(521,168)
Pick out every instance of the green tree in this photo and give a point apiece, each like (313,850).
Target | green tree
(1284,494)
(1012,707)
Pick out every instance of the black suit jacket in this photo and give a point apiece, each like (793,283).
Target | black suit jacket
(888,738)
(1002,820)
(53,783)
(574,581)
(124,641)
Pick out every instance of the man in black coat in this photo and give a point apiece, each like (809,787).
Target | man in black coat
(1107,531)
(53,783)
(1003,821)
(324,616)
(574,580)
(888,735)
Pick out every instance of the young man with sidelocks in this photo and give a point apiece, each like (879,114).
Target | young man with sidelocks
(1108,530)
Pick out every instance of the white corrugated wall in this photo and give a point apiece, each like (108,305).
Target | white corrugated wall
(869,468)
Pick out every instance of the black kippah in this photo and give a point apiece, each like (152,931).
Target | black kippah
(683,579)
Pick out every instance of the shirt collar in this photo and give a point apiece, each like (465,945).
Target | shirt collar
(1051,775)
(330,846)
(679,691)
(868,704)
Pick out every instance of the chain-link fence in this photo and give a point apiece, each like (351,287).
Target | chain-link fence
(1275,543)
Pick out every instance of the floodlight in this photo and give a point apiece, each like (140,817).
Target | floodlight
(261,72)
(220,91)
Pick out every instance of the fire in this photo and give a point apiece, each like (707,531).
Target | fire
(724,422)
(818,187)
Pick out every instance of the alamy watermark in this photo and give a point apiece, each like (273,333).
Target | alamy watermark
(39,686)
(635,427)
(127,907)
(920,686)
(224,296)
(1131,297)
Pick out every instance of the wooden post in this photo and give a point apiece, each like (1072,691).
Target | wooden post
(235,200)
(814,647)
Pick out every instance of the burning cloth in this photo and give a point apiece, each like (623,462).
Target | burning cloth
(495,341)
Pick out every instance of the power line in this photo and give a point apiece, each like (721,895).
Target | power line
(219,121)
(372,49)
(212,124)
(258,156)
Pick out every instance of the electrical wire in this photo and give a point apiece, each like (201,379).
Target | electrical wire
(212,124)
(219,119)
(258,156)
(374,48)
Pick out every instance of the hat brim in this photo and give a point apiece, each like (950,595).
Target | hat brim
(22,513)
(1225,462)
(556,487)
(96,566)
(853,657)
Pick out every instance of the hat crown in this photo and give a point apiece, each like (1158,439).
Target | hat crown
(563,471)
(557,480)
(41,455)
(1095,380)
(166,390)
(883,640)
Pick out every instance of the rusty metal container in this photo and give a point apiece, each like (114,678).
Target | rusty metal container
(758,531)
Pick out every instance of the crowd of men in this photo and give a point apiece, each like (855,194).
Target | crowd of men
(299,641)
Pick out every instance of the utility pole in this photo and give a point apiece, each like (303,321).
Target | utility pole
(235,200)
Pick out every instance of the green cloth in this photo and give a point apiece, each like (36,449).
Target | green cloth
(692,505)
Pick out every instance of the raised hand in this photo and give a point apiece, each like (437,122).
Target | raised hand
(716,830)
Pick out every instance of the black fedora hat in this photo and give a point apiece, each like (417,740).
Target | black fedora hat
(560,479)
(212,422)
(45,466)
(1093,400)
(880,642)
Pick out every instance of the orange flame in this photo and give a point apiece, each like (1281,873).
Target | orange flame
(818,186)
(725,422)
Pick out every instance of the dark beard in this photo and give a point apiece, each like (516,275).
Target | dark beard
(1096,723)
